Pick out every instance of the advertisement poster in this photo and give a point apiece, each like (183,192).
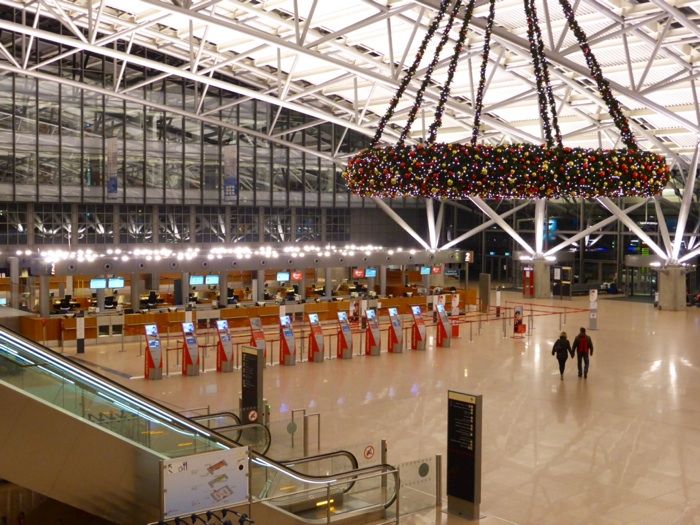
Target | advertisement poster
(518,326)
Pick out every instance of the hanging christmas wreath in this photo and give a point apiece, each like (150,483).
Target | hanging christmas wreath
(524,171)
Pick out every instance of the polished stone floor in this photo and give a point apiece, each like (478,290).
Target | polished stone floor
(621,447)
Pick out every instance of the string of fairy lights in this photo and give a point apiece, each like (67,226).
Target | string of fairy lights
(429,73)
(514,171)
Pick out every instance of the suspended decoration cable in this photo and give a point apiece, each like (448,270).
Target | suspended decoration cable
(551,170)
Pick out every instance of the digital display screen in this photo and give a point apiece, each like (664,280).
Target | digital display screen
(425,270)
(393,312)
(297,276)
(116,282)
(152,330)
(313,318)
(196,280)
(441,308)
(370,273)
(371,314)
(416,310)
(3,301)
(284,320)
(343,316)
(222,326)
(282,276)
(98,284)
(358,273)
(188,328)
(211,280)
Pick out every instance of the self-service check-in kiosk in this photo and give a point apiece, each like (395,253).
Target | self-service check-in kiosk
(257,335)
(287,344)
(315,339)
(418,329)
(224,347)
(190,351)
(444,327)
(373,343)
(153,357)
(344,337)
(395,332)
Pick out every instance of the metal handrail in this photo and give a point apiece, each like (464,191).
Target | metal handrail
(215,415)
(240,428)
(353,460)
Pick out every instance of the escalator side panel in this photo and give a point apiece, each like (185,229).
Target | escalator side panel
(68,459)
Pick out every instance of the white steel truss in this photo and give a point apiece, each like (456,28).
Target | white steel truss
(341,63)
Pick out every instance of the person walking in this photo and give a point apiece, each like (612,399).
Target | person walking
(562,349)
(583,346)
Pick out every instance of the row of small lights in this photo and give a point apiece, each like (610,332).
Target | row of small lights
(239,252)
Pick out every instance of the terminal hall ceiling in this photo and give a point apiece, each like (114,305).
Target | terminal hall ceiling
(341,62)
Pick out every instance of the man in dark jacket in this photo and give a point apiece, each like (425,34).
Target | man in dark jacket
(583,346)
(562,349)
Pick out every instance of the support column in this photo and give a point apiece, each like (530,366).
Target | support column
(135,291)
(329,282)
(302,285)
(382,281)
(44,308)
(69,285)
(259,286)
(223,289)
(100,299)
(542,284)
(185,287)
(14,281)
(32,293)
(672,290)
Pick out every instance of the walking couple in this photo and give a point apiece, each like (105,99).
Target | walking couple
(583,346)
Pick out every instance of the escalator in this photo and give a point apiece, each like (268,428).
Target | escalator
(82,439)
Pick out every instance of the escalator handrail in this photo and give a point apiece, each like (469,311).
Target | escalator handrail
(52,358)
(310,478)
(351,475)
(213,415)
(56,359)
(244,426)
(309,459)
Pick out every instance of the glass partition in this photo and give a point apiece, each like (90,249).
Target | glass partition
(58,382)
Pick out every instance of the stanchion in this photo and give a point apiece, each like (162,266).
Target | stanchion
(470,331)
(504,327)
(438,480)
(560,321)
(530,323)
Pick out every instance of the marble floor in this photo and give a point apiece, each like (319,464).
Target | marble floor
(620,447)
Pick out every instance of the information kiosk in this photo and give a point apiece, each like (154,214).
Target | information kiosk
(373,343)
(444,327)
(257,335)
(224,348)
(344,337)
(418,329)
(153,360)
(287,344)
(395,340)
(190,351)
(315,339)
